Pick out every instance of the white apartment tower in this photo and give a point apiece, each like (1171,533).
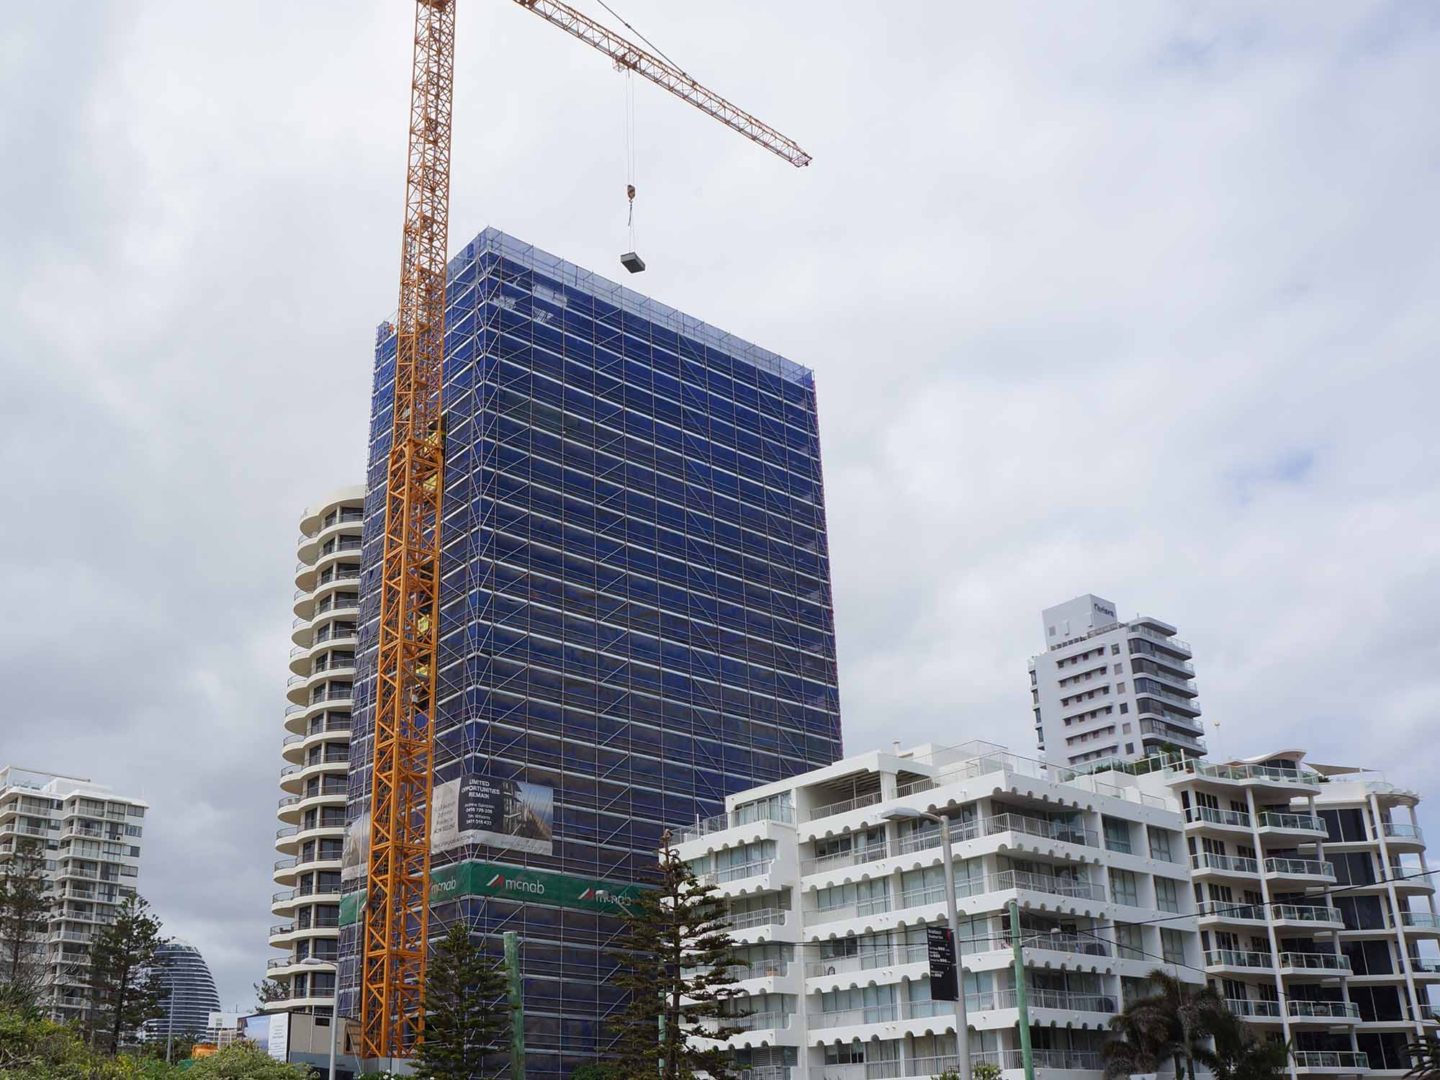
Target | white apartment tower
(1111,689)
(831,883)
(89,838)
(316,750)
(1317,911)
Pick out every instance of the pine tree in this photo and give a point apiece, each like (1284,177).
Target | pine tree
(679,956)
(467,1013)
(125,988)
(24,914)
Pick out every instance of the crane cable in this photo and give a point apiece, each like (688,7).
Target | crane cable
(630,153)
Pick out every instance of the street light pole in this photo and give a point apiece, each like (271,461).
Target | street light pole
(962,1022)
(315,961)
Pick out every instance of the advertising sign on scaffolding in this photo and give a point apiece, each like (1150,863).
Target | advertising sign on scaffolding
(479,809)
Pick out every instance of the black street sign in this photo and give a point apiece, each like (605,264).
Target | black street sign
(940,946)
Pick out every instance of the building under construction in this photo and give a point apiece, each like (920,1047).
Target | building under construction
(635,612)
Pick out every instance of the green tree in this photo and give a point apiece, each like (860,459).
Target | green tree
(1173,1022)
(467,1014)
(244,1061)
(1241,1054)
(596,1070)
(125,989)
(679,956)
(24,914)
(1424,1059)
(268,990)
(32,1048)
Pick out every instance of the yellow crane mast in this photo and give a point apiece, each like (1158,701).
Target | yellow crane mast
(396,914)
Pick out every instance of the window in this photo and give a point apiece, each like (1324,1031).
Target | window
(1120,688)
(1128,942)
(1172,945)
(1117,834)
(1167,895)
(1124,706)
(1161,844)
(1114,650)
(1124,888)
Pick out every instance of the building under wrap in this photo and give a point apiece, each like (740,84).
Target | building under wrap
(636,612)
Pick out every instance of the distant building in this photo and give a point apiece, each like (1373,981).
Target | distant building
(189,994)
(90,840)
(1112,689)
(316,751)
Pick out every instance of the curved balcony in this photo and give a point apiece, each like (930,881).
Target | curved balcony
(1401,835)
(1223,819)
(1307,916)
(342,548)
(1420,922)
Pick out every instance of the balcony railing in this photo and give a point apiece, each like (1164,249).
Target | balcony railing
(1047,883)
(1256,772)
(735,873)
(1230,910)
(1231,864)
(1318,913)
(844,806)
(1424,967)
(1300,868)
(1218,817)
(1332,1059)
(1420,920)
(1272,819)
(1323,1009)
(1252,1007)
(1397,831)
(745,815)
(1236,958)
(1314,961)
(745,920)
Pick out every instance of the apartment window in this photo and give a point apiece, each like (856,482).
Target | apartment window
(1167,895)
(1124,888)
(135,811)
(1124,706)
(1120,688)
(1161,846)
(1117,834)
(1128,942)
(1114,650)
(1172,945)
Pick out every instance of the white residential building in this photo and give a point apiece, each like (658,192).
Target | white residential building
(316,750)
(1317,911)
(90,839)
(1110,689)
(830,896)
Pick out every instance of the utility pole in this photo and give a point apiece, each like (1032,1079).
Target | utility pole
(1022,1004)
(517,1005)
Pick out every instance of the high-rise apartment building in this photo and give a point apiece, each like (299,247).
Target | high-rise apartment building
(831,882)
(89,838)
(189,995)
(1107,688)
(636,616)
(316,751)
(1317,910)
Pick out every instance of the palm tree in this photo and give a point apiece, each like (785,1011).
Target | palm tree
(1172,1022)
(1138,1044)
(1424,1059)
(1241,1055)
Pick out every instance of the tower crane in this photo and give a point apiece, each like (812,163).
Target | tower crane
(395,917)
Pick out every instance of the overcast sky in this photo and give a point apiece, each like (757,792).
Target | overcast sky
(1132,298)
